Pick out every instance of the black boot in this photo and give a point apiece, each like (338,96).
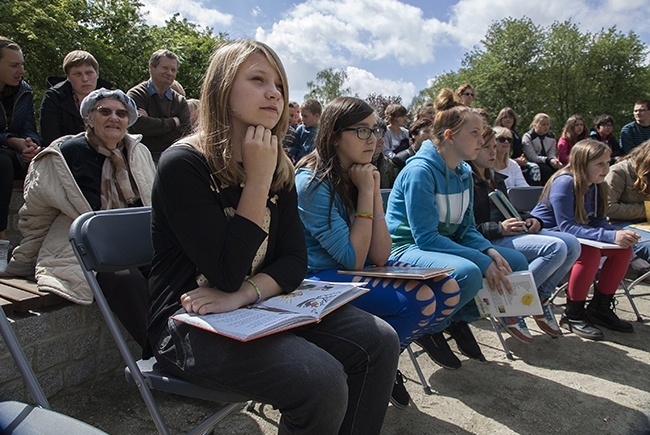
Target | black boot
(575,320)
(438,350)
(465,340)
(600,311)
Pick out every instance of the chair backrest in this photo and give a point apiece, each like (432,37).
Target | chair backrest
(110,240)
(525,198)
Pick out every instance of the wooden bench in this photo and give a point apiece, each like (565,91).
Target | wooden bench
(19,295)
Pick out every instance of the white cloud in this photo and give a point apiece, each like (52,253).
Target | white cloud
(256,11)
(160,10)
(329,33)
(363,82)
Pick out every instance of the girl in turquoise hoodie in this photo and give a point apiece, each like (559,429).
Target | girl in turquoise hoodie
(431,221)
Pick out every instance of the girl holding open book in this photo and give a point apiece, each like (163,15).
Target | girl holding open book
(225,215)
(431,222)
(575,201)
(550,254)
(343,218)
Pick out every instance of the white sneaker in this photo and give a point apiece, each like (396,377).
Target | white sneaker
(516,327)
(4,254)
(547,322)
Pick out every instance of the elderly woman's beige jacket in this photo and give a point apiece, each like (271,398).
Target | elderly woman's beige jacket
(624,202)
(52,201)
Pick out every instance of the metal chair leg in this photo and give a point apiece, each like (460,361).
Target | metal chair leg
(630,298)
(503,342)
(423,380)
(557,291)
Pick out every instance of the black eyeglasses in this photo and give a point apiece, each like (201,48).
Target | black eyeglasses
(469,94)
(364,133)
(105,111)
(504,139)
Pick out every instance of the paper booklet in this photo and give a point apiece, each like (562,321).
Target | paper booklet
(309,303)
(599,245)
(403,272)
(504,205)
(524,301)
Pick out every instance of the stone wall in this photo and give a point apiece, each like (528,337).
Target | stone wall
(66,346)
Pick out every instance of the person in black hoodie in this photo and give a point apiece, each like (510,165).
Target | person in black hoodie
(550,255)
(61,102)
(19,142)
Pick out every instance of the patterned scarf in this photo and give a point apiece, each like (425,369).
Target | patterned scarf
(117,188)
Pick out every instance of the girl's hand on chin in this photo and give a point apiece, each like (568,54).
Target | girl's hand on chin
(259,153)
(362,176)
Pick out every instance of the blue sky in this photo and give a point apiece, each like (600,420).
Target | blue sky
(387,47)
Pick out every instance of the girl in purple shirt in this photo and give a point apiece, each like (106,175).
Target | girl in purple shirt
(575,201)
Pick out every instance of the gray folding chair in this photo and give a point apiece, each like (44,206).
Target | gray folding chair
(22,418)
(524,199)
(112,240)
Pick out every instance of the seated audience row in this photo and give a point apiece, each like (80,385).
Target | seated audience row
(243,226)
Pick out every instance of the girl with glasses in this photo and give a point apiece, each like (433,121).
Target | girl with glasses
(343,218)
(550,258)
(431,221)
(503,164)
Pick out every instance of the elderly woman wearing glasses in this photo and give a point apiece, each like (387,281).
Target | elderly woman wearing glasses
(101,168)
(504,164)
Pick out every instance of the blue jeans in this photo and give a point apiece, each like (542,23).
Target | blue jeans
(466,273)
(330,377)
(641,250)
(411,307)
(550,256)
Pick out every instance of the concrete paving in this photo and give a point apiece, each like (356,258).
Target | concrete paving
(564,385)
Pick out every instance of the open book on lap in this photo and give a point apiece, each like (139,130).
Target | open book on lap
(402,272)
(309,303)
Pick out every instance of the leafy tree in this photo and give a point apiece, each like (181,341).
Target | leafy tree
(506,71)
(446,80)
(114,31)
(615,74)
(556,69)
(380,102)
(328,85)
(562,66)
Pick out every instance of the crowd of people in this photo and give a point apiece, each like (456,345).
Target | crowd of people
(252,193)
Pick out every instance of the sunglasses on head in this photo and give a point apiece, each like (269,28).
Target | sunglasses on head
(105,111)
(503,139)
